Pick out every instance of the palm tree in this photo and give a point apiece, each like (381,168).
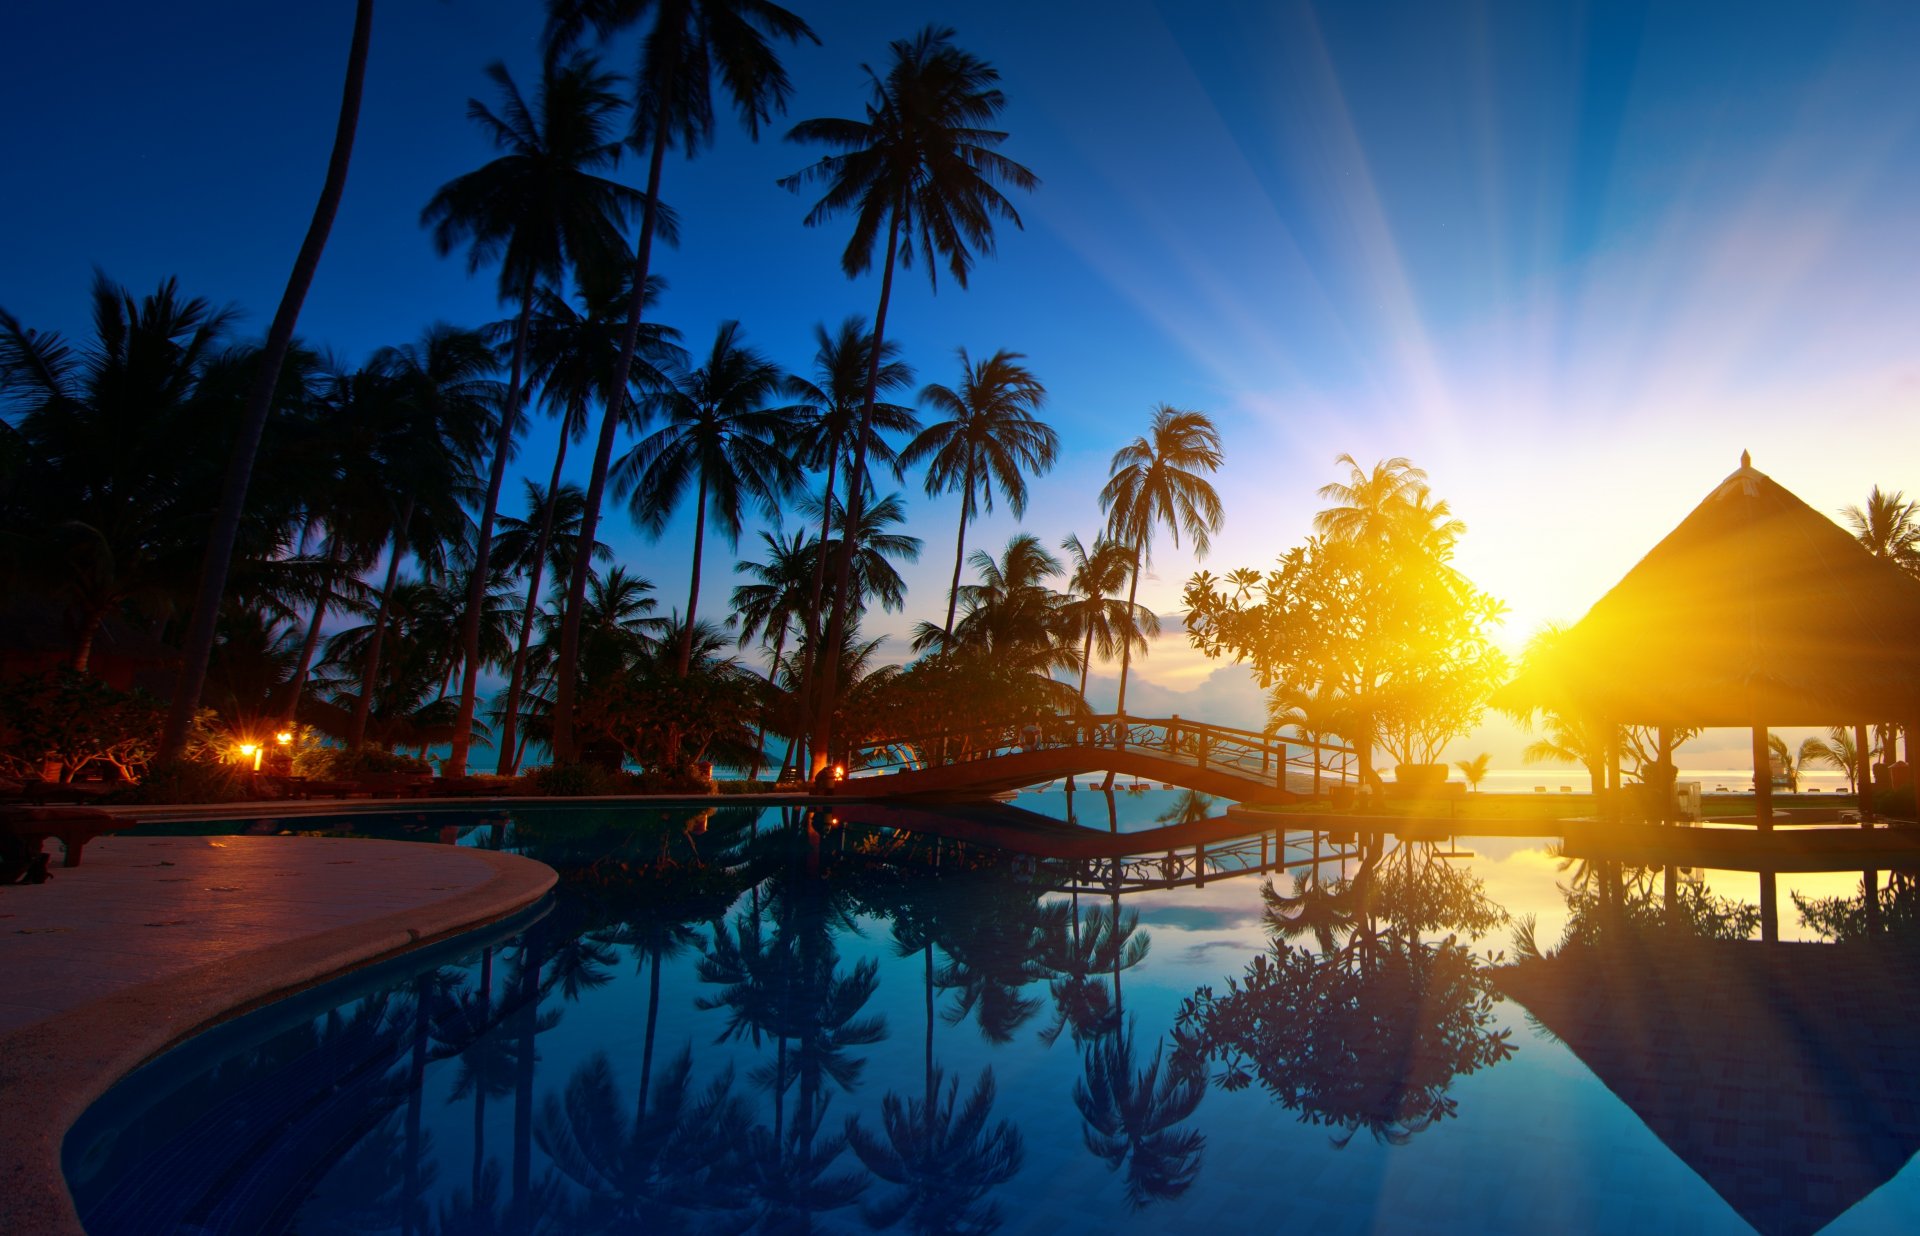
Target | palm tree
(438,403)
(767,608)
(721,434)
(1475,769)
(1011,613)
(1370,505)
(1889,526)
(1156,479)
(539,208)
(922,165)
(828,408)
(1837,750)
(572,355)
(990,438)
(686,43)
(108,432)
(1094,607)
(246,445)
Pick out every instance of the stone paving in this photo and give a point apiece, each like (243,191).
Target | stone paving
(153,938)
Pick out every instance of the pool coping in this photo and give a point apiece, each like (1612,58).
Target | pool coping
(53,1070)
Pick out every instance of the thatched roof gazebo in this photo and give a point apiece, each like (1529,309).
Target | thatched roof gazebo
(1756,611)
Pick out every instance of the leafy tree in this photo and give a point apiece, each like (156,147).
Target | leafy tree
(1374,619)
(921,164)
(686,43)
(69,719)
(1157,479)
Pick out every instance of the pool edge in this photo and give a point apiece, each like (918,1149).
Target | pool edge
(53,1070)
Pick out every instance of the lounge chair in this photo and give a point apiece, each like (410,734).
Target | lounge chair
(73,826)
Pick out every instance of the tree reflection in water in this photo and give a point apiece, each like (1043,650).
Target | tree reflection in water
(943,1158)
(1606,900)
(1132,1117)
(1890,911)
(1367,1027)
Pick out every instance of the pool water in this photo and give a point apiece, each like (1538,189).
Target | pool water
(755,1019)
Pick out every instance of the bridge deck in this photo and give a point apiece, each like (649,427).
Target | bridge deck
(1243,765)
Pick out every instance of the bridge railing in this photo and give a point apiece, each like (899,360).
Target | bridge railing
(1249,754)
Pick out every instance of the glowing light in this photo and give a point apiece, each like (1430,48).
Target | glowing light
(251,751)
(283,737)
(839,772)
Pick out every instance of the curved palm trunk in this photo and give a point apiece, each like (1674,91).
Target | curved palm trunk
(693,587)
(253,423)
(529,1026)
(1086,661)
(960,548)
(510,722)
(90,627)
(370,670)
(567,671)
(456,765)
(843,570)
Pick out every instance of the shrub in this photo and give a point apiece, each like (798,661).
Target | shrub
(350,762)
(71,720)
(187,781)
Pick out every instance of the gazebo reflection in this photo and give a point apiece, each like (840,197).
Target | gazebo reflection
(1787,1075)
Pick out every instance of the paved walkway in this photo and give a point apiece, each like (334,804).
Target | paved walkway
(153,938)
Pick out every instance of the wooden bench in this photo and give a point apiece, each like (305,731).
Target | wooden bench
(73,827)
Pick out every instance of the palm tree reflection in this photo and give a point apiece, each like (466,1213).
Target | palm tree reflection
(1133,1117)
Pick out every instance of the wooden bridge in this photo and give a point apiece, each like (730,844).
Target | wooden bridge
(1243,765)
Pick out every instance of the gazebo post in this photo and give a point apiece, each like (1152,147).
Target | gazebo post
(1663,804)
(1769,907)
(1762,780)
(1864,757)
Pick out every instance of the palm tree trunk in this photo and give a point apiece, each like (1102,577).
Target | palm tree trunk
(812,617)
(253,422)
(693,587)
(567,672)
(510,723)
(521,1204)
(929,1052)
(1086,662)
(760,734)
(309,646)
(370,671)
(856,476)
(456,765)
(1126,642)
(83,645)
(960,547)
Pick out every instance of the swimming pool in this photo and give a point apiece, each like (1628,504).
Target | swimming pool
(753,1019)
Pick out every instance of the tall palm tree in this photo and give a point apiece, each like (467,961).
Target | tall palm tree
(922,166)
(1012,615)
(720,434)
(686,43)
(991,438)
(828,409)
(246,444)
(541,206)
(1889,526)
(572,355)
(1094,578)
(438,404)
(1157,479)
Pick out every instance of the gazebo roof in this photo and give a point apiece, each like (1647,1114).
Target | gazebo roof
(1756,609)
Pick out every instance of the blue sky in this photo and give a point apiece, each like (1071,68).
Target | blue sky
(1571,259)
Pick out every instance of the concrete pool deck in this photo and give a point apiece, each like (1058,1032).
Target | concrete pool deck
(152,939)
